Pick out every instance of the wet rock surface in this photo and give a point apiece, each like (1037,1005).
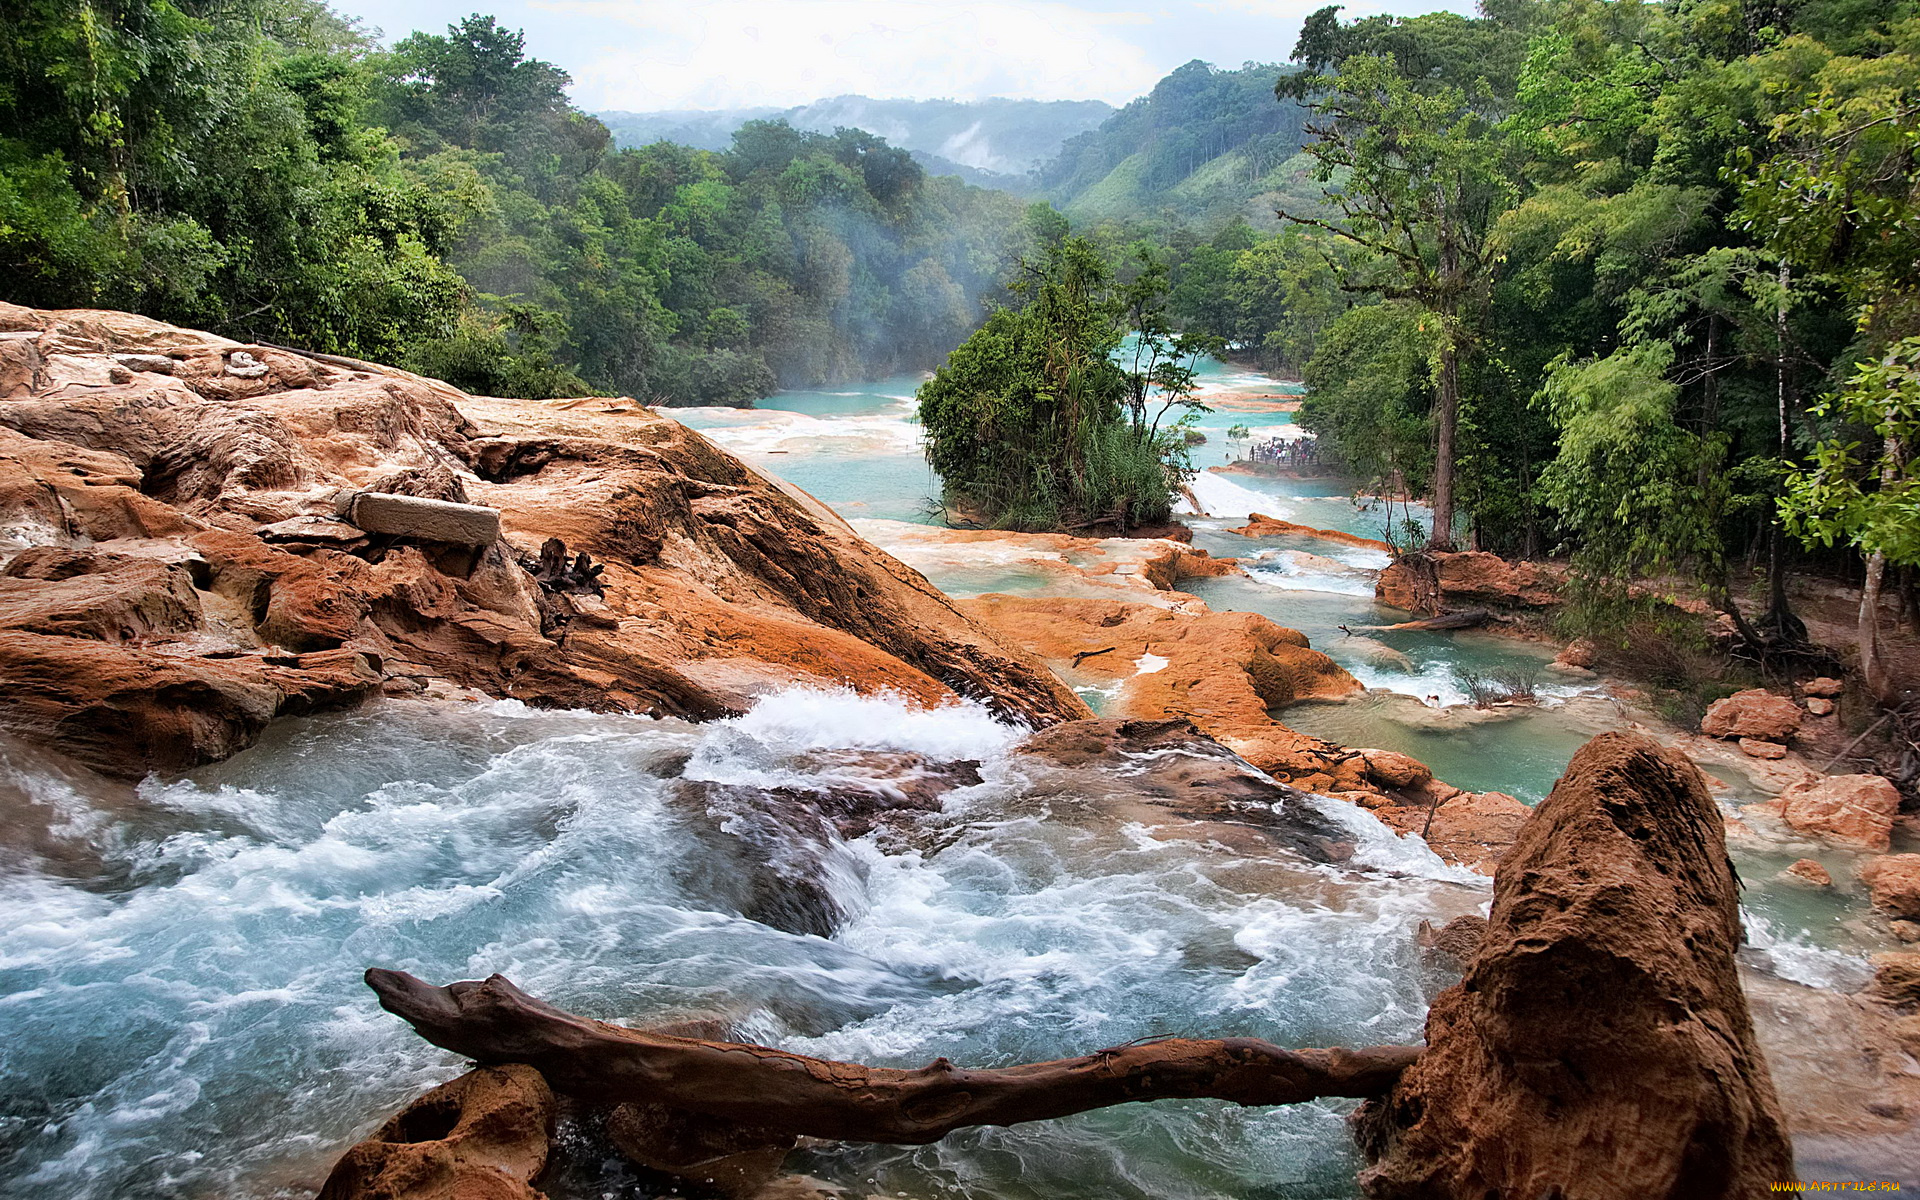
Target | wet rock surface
(483,1136)
(1222,671)
(1600,1044)
(1171,766)
(176,572)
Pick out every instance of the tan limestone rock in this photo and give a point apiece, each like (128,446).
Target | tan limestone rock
(1893,881)
(1755,713)
(175,572)
(1600,1044)
(1848,810)
(483,1136)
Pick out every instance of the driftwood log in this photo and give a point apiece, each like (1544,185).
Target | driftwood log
(495,1022)
(1465,619)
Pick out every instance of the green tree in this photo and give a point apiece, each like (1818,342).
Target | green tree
(1031,424)
(1838,200)
(1410,124)
(1628,481)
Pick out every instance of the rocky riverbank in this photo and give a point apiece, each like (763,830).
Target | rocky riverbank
(177,572)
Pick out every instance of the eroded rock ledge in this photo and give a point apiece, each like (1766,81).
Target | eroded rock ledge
(174,572)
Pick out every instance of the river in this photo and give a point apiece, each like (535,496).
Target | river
(179,961)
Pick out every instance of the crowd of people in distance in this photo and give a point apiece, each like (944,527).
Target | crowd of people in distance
(1285,452)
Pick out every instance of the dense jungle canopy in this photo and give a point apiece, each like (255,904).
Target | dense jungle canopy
(262,169)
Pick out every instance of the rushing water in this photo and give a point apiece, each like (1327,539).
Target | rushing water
(181,1014)
(185,1017)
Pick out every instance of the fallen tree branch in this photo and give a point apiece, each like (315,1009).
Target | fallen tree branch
(1465,619)
(495,1022)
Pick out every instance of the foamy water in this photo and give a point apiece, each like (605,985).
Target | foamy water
(185,1015)
(764,433)
(1218,496)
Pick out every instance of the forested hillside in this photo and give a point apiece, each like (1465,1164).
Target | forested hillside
(259,168)
(1204,144)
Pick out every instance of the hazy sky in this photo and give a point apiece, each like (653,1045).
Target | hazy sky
(654,54)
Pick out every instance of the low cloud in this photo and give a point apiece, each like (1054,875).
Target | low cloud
(737,53)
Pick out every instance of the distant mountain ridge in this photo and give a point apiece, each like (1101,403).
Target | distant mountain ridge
(994,142)
(1205,145)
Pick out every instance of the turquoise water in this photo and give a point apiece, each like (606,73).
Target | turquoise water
(855,447)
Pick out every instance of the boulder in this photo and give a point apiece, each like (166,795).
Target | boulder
(1427,582)
(1755,713)
(1395,770)
(1896,978)
(1806,870)
(1848,810)
(1581,652)
(1823,686)
(1755,748)
(174,571)
(1472,829)
(1599,1045)
(483,1136)
(1819,707)
(1893,881)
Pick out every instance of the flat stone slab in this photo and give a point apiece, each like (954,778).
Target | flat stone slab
(419,517)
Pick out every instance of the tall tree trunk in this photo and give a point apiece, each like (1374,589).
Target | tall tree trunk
(1446,422)
(1780,352)
(1779,620)
(1869,632)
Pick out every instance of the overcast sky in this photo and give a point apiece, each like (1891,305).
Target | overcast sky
(642,55)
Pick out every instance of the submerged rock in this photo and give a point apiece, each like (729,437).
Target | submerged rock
(175,559)
(1600,1045)
(483,1136)
(1170,765)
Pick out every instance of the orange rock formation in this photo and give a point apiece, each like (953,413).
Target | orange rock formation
(175,574)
